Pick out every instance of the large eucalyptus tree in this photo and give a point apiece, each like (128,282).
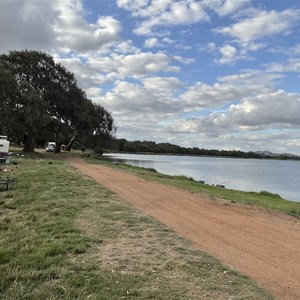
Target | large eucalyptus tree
(40,97)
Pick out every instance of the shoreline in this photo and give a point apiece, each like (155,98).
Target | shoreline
(229,181)
(288,158)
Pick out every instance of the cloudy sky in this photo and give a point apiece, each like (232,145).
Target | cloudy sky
(220,74)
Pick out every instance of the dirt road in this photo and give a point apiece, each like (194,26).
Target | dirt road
(263,245)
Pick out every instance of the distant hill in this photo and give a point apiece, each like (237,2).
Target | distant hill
(271,154)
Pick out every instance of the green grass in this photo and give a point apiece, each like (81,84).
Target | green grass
(263,199)
(62,236)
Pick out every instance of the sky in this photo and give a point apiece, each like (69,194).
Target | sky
(214,74)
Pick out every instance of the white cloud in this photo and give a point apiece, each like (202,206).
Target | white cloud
(211,47)
(227,90)
(181,46)
(73,32)
(151,43)
(226,7)
(144,63)
(272,108)
(159,95)
(164,13)
(99,69)
(45,25)
(87,75)
(93,92)
(149,101)
(145,9)
(291,65)
(168,41)
(229,54)
(289,51)
(20,28)
(162,85)
(267,111)
(121,47)
(264,24)
(184,60)
(157,99)
(132,5)
(231,6)
(155,42)
(194,132)
(265,121)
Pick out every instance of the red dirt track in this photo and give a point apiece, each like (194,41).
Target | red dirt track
(263,245)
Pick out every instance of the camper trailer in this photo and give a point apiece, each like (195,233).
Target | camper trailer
(4,146)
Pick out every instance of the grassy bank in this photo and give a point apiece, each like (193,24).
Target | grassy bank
(65,237)
(263,199)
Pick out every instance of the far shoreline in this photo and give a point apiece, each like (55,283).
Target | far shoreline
(291,158)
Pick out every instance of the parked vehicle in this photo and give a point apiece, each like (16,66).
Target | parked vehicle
(50,147)
(4,146)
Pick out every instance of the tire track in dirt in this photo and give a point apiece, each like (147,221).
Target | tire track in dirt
(261,244)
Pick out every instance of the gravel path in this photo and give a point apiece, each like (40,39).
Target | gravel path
(264,245)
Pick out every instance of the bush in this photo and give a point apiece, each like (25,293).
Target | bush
(266,193)
(99,149)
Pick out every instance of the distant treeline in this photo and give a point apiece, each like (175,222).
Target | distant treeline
(166,148)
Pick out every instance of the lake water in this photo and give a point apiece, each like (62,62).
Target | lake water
(275,176)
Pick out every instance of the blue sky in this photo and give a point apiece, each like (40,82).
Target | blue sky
(220,74)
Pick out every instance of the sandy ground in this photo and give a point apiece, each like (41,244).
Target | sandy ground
(264,245)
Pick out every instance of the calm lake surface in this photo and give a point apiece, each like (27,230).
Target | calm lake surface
(275,176)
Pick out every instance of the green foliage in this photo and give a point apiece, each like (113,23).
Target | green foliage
(184,177)
(152,170)
(271,195)
(47,104)
(8,92)
(99,149)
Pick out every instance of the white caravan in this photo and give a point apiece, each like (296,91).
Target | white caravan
(4,146)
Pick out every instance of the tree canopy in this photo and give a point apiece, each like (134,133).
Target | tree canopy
(40,101)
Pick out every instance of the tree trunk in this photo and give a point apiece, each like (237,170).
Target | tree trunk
(69,146)
(57,146)
(28,142)
(58,142)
